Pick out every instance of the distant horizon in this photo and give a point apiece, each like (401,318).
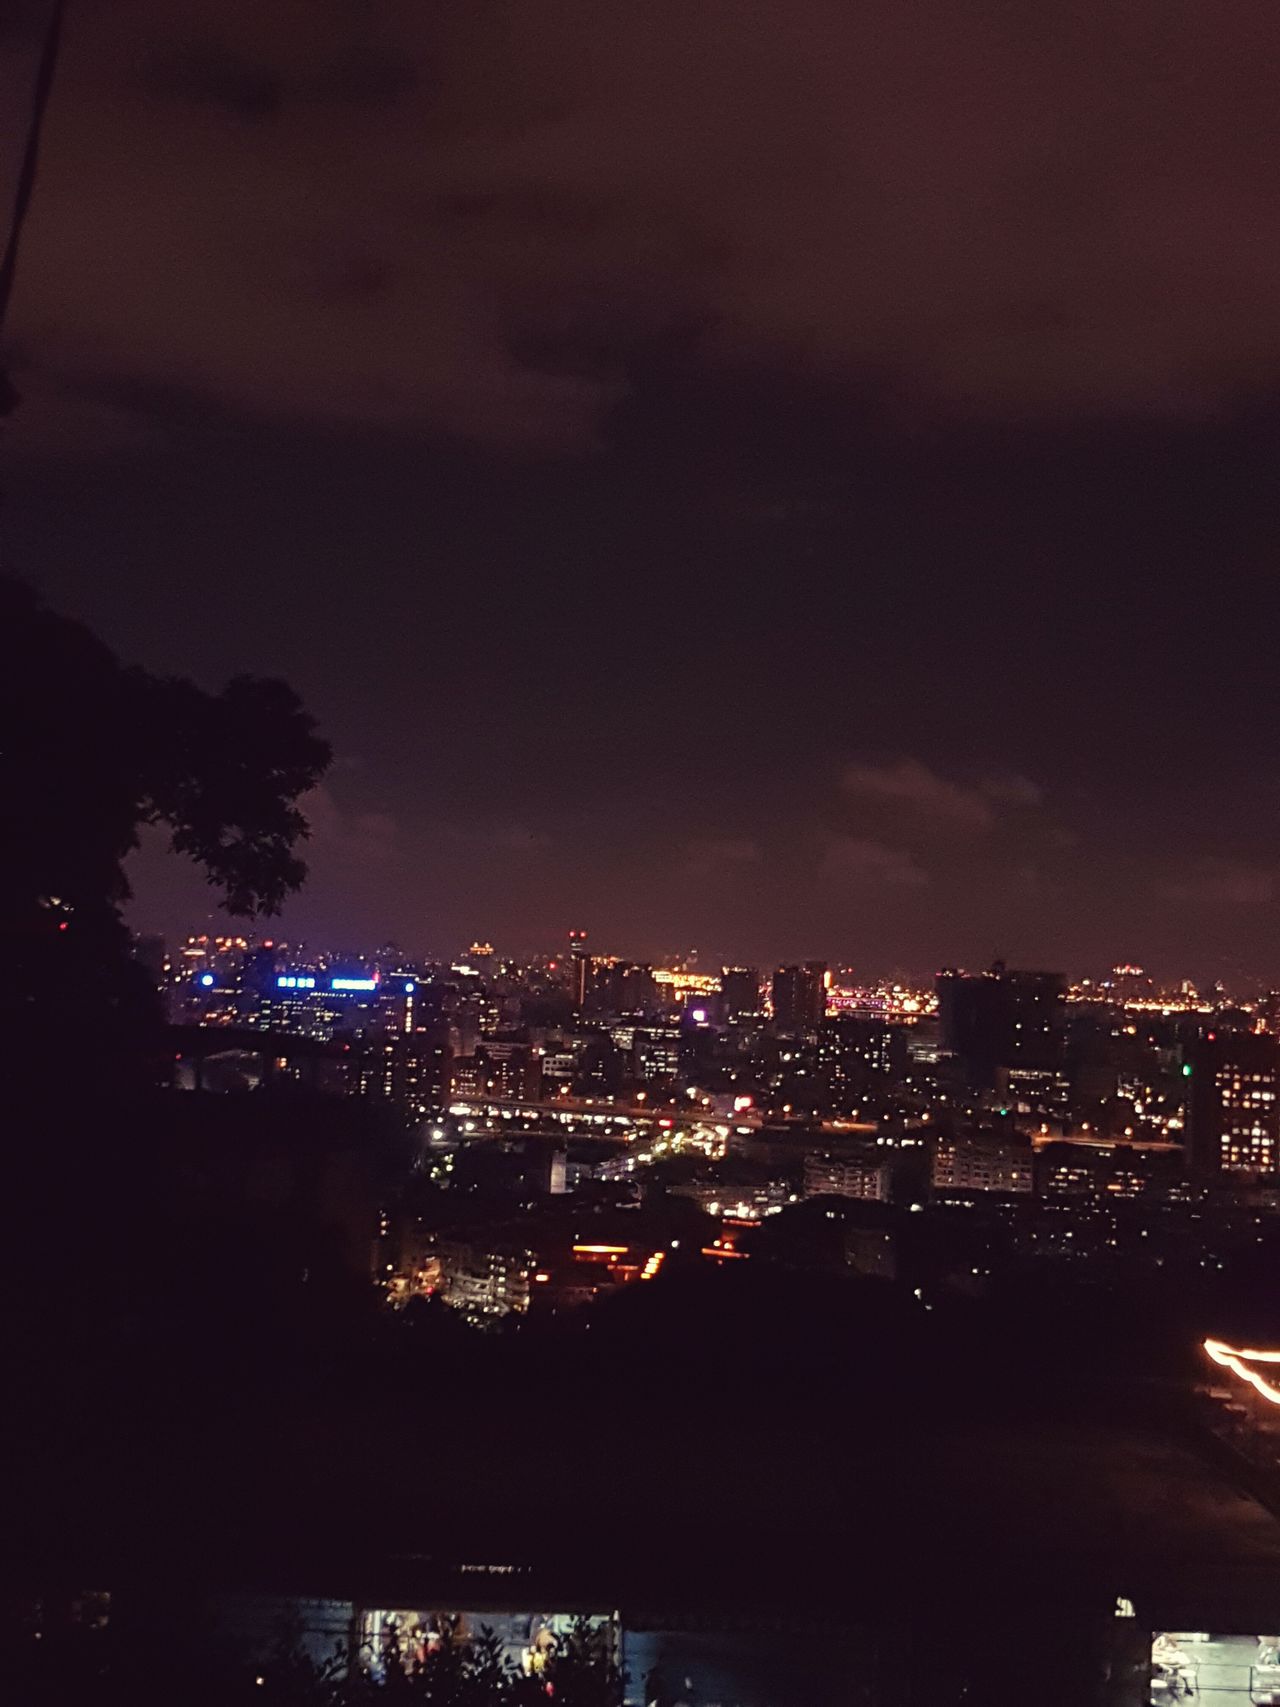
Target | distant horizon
(337,949)
(171,899)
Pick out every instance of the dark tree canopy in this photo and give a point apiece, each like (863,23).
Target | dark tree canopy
(92,750)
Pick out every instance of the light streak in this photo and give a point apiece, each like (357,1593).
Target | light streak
(1237,1362)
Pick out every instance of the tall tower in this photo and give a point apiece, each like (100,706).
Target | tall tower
(1002,1020)
(579,969)
(799,997)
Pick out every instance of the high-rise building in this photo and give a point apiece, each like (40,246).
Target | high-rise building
(1000,1020)
(618,987)
(509,1072)
(859,1055)
(1235,1116)
(656,1057)
(740,992)
(424,1060)
(799,996)
(579,969)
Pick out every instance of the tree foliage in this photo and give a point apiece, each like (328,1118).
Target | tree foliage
(90,752)
(103,1668)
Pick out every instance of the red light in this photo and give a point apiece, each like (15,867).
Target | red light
(63,925)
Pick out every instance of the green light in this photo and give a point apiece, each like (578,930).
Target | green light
(1186,1069)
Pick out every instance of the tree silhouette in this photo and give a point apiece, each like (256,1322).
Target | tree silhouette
(105,1667)
(90,752)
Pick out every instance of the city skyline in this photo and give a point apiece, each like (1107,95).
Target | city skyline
(168,898)
(579,948)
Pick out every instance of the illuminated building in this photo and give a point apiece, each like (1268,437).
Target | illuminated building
(301,1004)
(1035,1090)
(736,1195)
(674,988)
(423,1064)
(579,969)
(310,1003)
(1103,1172)
(559,1069)
(847,1176)
(854,1053)
(395,1002)
(1235,1117)
(376,1071)
(1002,1020)
(1128,984)
(799,997)
(656,1055)
(505,1071)
(982,1161)
(484,1278)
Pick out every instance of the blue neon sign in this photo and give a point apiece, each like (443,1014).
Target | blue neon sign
(291,981)
(353,983)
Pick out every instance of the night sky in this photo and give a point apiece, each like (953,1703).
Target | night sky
(785,477)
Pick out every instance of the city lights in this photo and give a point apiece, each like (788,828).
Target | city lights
(753,1095)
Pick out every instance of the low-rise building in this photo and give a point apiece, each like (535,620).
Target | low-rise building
(982,1161)
(847,1176)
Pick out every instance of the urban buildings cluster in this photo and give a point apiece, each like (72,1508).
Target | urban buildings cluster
(580,1122)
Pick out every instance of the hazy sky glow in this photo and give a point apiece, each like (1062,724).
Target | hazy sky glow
(785,477)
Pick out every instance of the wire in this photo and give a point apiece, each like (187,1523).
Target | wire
(30,155)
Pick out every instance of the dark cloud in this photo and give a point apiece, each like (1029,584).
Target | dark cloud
(912,785)
(854,860)
(621,421)
(345,839)
(1218,882)
(977,211)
